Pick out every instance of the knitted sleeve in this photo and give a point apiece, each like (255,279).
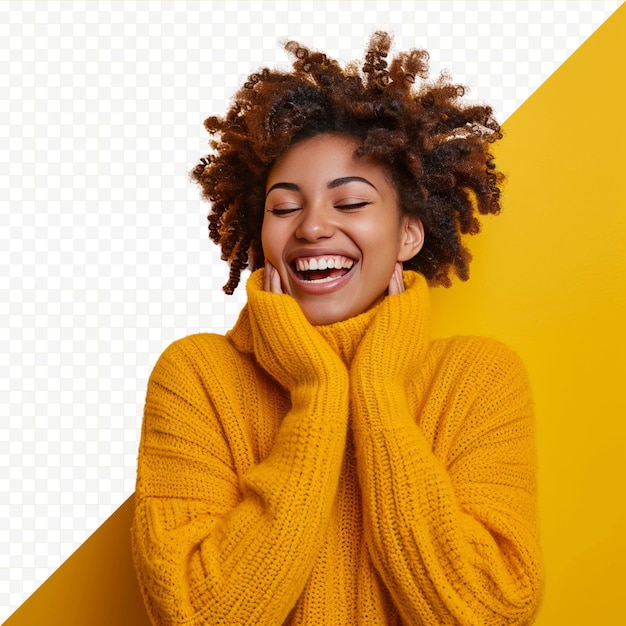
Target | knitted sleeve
(215,543)
(446,464)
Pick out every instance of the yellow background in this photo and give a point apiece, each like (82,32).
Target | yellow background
(549,280)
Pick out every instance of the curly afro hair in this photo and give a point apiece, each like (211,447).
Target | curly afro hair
(435,148)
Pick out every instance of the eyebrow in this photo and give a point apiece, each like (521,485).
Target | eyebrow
(333,184)
(348,179)
(290,186)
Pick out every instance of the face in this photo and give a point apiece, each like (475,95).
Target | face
(332,228)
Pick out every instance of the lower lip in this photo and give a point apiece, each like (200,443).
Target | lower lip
(319,288)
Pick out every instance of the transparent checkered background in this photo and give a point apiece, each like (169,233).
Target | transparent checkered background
(104,255)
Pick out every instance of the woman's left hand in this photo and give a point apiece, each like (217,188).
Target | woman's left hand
(396,284)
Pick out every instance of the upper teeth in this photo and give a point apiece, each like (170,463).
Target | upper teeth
(304,264)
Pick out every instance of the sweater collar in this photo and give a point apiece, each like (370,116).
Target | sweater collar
(345,336)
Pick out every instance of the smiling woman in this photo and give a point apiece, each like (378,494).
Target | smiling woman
(434,148)
(326,462)
(333,230)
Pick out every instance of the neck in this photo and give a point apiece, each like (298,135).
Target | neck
(344,337)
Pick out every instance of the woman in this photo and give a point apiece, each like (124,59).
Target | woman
(325,462)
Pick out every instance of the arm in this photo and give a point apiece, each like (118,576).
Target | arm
(452,532)
(212,546)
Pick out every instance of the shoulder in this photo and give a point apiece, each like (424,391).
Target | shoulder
(204,343)
(485,361)
(481,386)
(468,345)
(197,356)
(191,346)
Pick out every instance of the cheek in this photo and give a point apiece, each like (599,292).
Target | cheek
(272,242)
(266,239)
(381,237)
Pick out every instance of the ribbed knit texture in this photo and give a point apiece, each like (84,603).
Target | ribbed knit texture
(356,473)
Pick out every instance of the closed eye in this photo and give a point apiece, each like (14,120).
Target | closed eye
(280,212)
(351,206)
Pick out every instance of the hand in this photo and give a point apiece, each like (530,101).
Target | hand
(396,284)
(280,330)
(397,337)
(271,279)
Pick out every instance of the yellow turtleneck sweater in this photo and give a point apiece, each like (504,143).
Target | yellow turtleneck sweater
(356,473)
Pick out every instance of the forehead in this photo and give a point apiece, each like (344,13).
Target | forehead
(322,159)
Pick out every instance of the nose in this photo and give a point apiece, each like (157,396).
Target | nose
(316,222)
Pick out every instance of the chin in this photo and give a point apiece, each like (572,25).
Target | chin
(322,316)
(319,318)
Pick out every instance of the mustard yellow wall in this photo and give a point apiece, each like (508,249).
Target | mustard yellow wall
(550,280)
(96,586)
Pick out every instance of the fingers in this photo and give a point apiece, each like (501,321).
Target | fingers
(271,279)
(275,284)
(396,284)
(266,276)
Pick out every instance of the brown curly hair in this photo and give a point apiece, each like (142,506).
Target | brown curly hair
(434,147)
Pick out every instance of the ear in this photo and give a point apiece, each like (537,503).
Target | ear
(411,238)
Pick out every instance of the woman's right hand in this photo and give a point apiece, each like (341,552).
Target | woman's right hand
(271,279)
(286,345)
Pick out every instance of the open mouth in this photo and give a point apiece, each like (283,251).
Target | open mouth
(322,269)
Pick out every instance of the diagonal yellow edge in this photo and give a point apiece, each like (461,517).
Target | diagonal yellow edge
(549,279)
(96,586)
